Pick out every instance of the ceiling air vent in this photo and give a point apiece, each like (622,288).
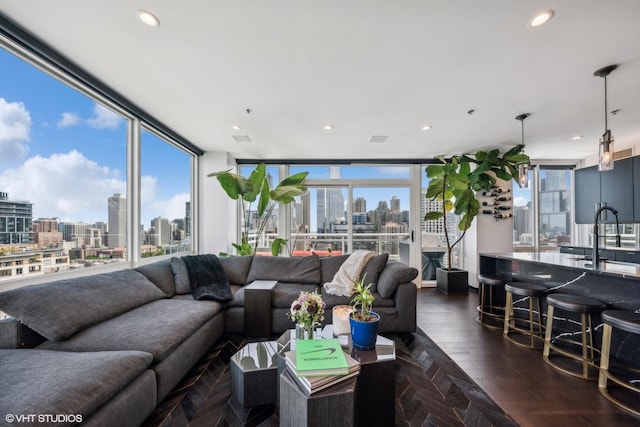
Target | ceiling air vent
(378,138)
(241,138)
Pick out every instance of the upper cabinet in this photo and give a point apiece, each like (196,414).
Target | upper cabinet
(587,194)
(615,188)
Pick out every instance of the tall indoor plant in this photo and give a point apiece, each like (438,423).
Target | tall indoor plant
(256,187)
(455,183)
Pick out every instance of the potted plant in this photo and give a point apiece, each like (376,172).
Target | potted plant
(455,184)
(256,187)
(363,321)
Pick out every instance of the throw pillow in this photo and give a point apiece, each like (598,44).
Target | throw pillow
(394,273)
(207,278)
(181,276)
(373,269)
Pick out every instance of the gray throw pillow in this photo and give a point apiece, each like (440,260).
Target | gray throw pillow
(57,310)
(372,269)
(236,268)
(161,274)
(181,276)
(393,274)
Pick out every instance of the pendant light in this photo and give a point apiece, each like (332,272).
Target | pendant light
(523,167)
(605,151)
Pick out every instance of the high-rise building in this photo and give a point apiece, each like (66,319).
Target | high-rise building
(46,232)
(360,205)
(161,234)
(117,210)
(330,204)
(187,219)
(16,218)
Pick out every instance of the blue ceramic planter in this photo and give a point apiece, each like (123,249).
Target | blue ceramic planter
(364,334)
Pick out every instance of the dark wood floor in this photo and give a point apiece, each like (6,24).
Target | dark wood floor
(517,379)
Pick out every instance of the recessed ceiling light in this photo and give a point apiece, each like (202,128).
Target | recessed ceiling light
(147,18)
(236,127)
(577,137)
(541,18)
(327,127)
(426,127)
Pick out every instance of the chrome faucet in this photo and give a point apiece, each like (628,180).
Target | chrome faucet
(595,259)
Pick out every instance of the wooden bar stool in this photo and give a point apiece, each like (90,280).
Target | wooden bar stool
(628,322)
(585,306)
(487,315)
(533,329)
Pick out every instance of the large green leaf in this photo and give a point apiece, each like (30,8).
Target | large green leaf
(229,184)
(295,179)
(263,202)
(288,193)
(430,216)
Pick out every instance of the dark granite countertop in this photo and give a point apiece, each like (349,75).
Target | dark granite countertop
(613,268)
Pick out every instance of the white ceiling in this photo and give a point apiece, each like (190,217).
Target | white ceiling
(368,67)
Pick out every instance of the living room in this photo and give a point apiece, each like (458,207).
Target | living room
(364,96)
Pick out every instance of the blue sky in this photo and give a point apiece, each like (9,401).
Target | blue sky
(66,154)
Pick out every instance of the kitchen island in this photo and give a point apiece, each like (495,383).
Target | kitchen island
(615,283)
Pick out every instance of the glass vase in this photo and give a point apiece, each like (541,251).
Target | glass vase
(305,331)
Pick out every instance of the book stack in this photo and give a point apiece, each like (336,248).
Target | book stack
(320,363)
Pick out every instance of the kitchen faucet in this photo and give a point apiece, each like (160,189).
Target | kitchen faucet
(595,259)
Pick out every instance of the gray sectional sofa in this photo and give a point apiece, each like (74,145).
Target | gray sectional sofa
(108,348)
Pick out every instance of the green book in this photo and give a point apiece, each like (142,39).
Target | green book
(320,357)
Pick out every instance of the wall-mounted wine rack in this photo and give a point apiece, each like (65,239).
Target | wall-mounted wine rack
(496,202)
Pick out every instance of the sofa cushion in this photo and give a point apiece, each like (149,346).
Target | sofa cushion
(207,278)
(393,274)
(329,266)
(236,268)
(161,274)
(238,296)
(181,276)
(53,382)
(157,328)
(372,270)
(56,310)
(283,294)
(286,269)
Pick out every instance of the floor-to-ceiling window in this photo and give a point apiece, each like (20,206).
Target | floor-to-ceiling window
(70,159)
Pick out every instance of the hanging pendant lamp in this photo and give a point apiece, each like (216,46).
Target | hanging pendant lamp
(605,150)
(523,167)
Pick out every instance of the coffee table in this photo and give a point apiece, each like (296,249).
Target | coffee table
(374,398)
(254,373)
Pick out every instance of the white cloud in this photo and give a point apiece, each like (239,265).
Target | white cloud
(68,120)
(520,201)
(15,126)
(103,118)
(64,185)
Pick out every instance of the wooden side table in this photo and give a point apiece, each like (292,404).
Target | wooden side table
(257,308)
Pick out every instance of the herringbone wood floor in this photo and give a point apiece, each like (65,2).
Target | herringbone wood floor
(431,389)
(524,386)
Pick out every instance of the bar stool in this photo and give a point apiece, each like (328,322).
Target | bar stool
(629,322)
(534,328)
(586,307)
(486,310)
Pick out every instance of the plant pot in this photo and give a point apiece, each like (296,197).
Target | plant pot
(364,334)
(454,281)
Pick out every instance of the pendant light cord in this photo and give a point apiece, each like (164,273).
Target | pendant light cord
(606,127)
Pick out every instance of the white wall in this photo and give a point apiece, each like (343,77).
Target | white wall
(217,213)
(487,235)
